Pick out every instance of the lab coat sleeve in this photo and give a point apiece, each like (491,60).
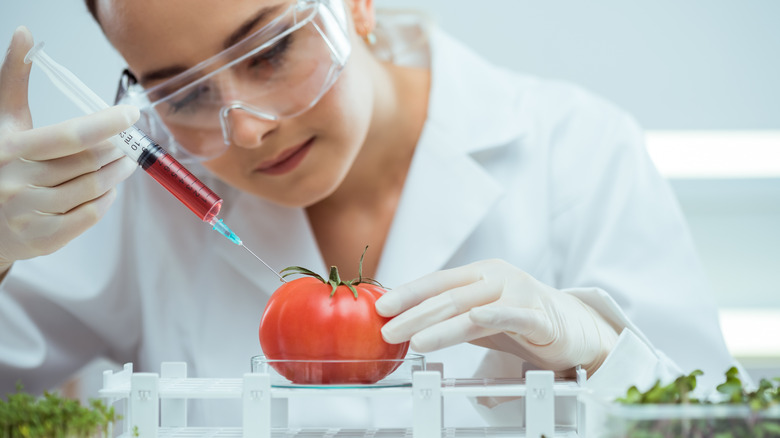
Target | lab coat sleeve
(633,360)
(60,311)
(623,247)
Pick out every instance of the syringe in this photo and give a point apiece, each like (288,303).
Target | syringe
(149,155)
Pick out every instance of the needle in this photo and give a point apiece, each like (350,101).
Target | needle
(266,264)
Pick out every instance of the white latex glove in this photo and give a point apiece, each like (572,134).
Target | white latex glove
(496,305)
(55,181)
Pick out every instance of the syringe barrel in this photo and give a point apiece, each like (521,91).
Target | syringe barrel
(180,182)
(169,173)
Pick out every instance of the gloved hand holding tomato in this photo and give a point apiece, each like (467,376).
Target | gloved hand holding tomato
(493,304)
(332,325)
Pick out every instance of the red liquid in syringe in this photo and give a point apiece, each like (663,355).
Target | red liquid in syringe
(180,182)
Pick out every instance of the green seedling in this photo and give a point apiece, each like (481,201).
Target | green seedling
(51,416)
(755,425)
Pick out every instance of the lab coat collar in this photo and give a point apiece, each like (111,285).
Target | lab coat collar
(447,192)
(477,102)
(472,107)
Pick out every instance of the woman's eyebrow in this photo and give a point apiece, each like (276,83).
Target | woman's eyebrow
(250,24)
(246,27)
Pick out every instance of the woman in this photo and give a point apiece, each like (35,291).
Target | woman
(520,219)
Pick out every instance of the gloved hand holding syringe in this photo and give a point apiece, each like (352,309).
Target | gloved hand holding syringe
(150,156)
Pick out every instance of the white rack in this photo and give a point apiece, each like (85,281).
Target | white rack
(156,404)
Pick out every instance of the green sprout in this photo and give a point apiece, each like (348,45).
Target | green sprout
(52,416)
(766,396)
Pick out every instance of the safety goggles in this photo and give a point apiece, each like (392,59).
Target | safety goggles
(279,71)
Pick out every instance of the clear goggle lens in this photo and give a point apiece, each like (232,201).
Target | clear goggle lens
(279,71)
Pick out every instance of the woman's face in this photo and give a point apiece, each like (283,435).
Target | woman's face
(295,161)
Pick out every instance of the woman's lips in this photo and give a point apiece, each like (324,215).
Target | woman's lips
(287,160)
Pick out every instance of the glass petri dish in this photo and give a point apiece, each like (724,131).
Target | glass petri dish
(383,373)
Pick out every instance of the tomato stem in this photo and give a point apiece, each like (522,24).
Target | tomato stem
(360,278)
(360,266)
(334,279)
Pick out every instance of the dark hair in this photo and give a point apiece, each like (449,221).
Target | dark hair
(92,8)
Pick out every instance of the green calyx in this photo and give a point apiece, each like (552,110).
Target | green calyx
(334,280)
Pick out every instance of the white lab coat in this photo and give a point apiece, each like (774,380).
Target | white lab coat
(539,173)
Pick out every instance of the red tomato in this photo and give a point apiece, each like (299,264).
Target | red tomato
(309,319)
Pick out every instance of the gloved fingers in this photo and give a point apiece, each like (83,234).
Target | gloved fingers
(439,308)
(410,294)
(45,233)
(71,136)
(78,220)
(447,333)
(14,80)
(52,173)
(530,324)
(508,344)
(82,189)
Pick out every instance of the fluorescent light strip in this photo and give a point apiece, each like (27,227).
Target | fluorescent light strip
(715,154)
(752,333)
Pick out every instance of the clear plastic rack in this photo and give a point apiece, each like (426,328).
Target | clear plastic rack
(155,405)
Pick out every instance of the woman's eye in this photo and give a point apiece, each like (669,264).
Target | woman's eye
(190,101)
(272,56)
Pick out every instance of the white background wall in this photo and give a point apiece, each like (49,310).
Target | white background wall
(695,64)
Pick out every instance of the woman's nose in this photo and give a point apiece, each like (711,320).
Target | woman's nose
(245,128)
